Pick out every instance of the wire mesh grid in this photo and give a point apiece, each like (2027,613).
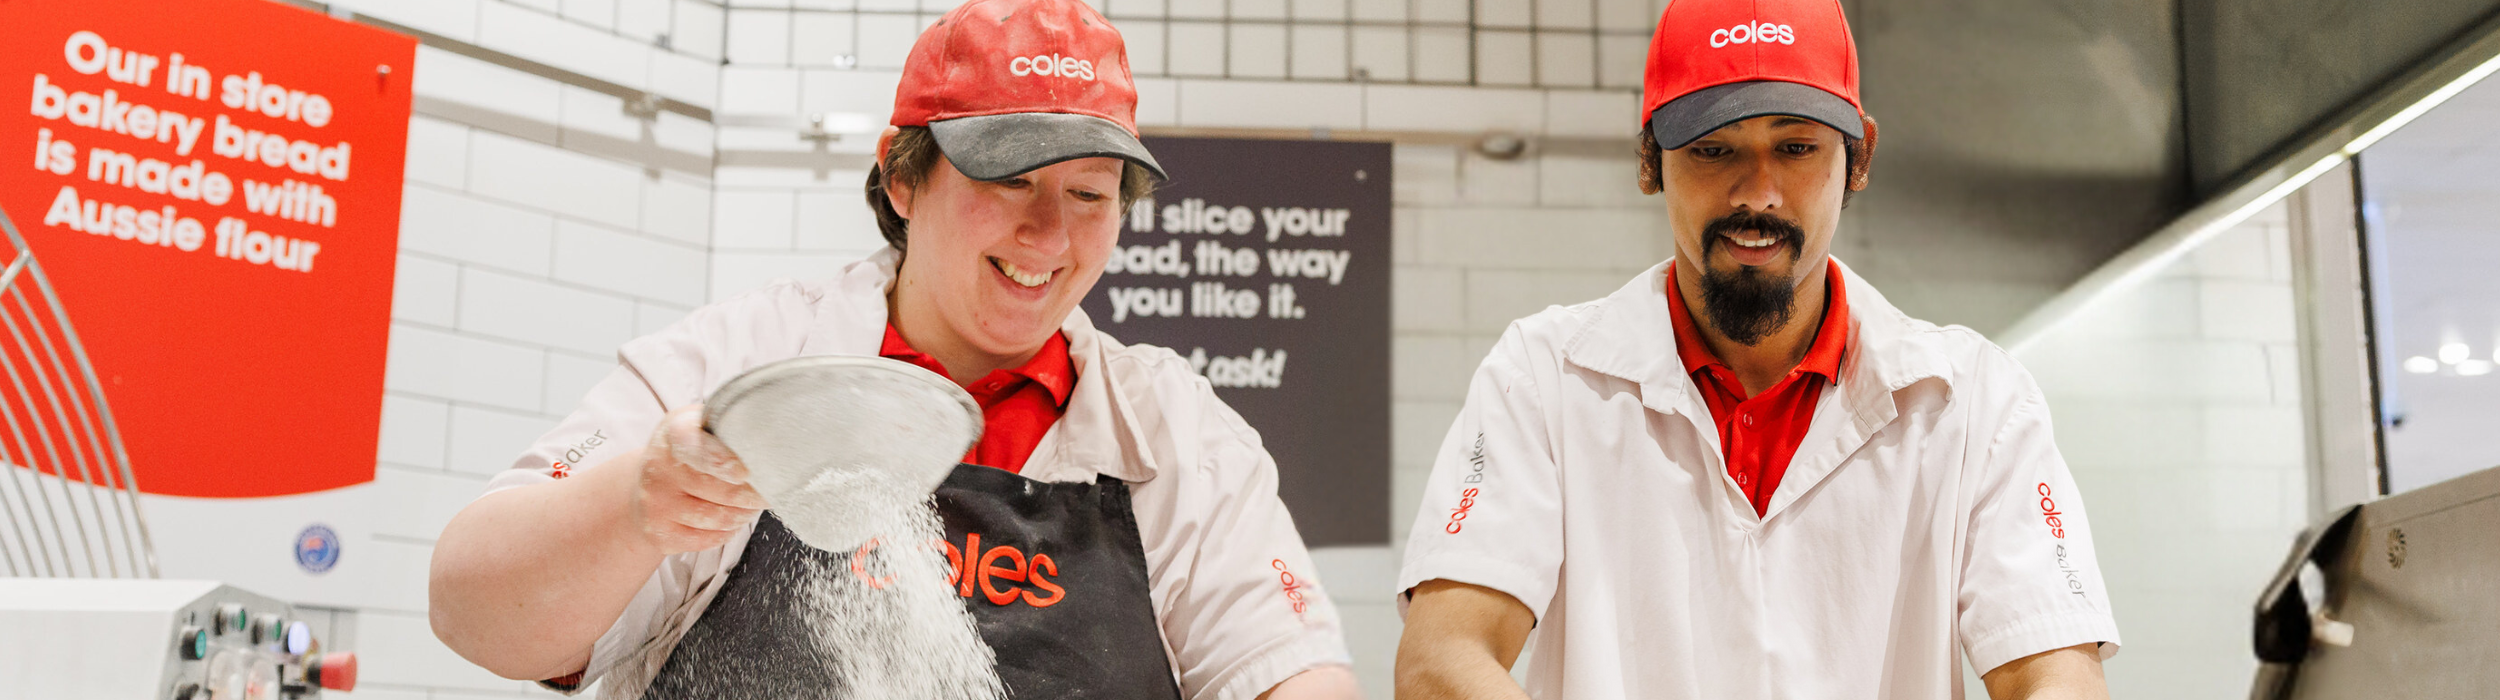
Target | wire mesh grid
(68,504)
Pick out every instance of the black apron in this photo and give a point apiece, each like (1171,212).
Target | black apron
(1053,573)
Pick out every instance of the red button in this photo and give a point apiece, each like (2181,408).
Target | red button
(1748,421)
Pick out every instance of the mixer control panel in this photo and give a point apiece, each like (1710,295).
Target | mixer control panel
(233,645)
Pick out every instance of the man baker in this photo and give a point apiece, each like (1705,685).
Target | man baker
(1745,474)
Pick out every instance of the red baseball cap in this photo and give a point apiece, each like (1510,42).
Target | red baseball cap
(1008,86)
(1717,62)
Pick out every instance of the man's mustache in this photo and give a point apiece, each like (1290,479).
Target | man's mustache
(1760,222)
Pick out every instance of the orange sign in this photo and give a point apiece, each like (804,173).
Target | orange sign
(213,187)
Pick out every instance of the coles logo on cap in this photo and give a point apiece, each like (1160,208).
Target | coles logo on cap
(1053,64)
(1707,43)
(1764,32)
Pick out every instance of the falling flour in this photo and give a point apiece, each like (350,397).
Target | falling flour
(885,615)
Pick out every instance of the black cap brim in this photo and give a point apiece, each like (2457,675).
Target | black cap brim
(1683,119)
(1001,146)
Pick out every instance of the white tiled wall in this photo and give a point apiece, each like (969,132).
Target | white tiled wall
(2177,405)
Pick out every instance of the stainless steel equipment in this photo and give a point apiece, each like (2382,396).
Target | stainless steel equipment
(2398,598)
(167,639)
(68,504)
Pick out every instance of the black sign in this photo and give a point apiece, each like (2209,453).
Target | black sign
(1266,263)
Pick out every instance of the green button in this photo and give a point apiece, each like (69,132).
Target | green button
(199,644)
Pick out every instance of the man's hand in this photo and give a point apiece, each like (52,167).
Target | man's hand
(693,493)
(2072,673)
(1460,642)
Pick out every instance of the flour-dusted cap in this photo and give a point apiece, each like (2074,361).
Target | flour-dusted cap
(1007,86)
(1717,62)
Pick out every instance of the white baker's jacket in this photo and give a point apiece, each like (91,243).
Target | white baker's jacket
(1926,513)
(1240,606)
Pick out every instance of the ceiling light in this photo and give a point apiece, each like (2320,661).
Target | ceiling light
(2474,368)
(2453,353)
(2421,365)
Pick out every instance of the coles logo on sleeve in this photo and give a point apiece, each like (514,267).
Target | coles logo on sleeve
(2049,513)
(1467,498)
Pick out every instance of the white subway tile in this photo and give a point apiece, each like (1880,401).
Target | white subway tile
(1405,228)
(1427,299)
(1319,52)
(550,40)
(485,441)
(1466,110)
(1144,41)
(546,6)
(863,92)
(651,318)
(1259,104)
(1416,429)
(1621,61)
(1321,10)
(1566,59)
(885,40)
(2258,311)
(1566,14)
(823,38)
(748,90)
(1257,51)
(2239,435)
(1497,297)
(837,220)
(597,114)
(753,219)
(1590,181)
(1627,16)
(1372,631)
(678,208)
(414,431)
(399,649)
(1485,180)
(596,13)
(456,19)
(541,176)
(1132,9)
(1505,58)
(1380,53)
(684,134)
(1429,367)
(737,272)
(451,77)
(1505,13)
(471,229)
(438,152)
(759,37)
(644,20)
(451,366)
(1442,55)
(1606,114)
(2239,253)
(396,571)
(629,264)
(569,378)
(888,5)
(2104,434)
(1196,49)
(1541,239)
(367,691)
(417,503)
(687,79)
(1257,9)
(531,311)
(696,29)
(1158,102)
(425,291)
(1198,9)
(1386,11)
(1426,174)
(1442,11)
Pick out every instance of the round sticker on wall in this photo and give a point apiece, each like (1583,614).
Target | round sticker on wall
(317,549)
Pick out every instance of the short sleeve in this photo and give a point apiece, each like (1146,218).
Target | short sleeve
(1248,611)
(1492,510)
(2030,582)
